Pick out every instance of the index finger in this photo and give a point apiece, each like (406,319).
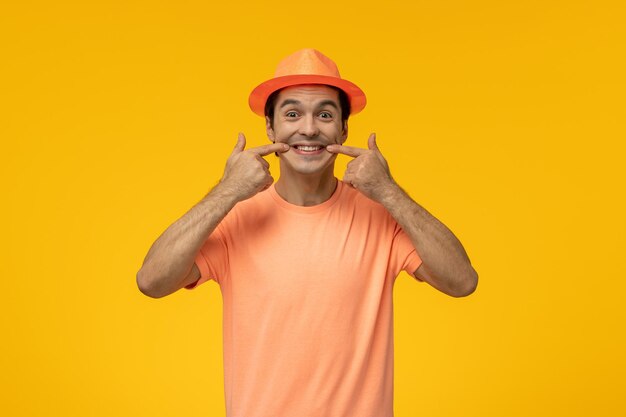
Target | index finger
(269,149)
(346,150)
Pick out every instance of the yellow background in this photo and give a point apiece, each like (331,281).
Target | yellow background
(504,119)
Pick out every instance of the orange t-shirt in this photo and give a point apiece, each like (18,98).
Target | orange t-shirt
(308,306)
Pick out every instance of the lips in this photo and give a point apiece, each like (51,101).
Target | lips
(308,148)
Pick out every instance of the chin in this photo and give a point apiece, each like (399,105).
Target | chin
(307,168)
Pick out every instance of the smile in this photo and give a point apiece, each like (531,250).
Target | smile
(308,149)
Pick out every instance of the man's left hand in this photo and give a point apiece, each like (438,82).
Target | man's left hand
(368,172)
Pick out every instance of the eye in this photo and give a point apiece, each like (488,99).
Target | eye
(326,115)
(291,114)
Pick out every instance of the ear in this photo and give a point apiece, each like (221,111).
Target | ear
(269,130)
(344,133)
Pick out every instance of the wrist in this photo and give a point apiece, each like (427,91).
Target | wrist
(390,195)
(227,193)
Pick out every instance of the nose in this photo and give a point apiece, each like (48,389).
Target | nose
(308,127)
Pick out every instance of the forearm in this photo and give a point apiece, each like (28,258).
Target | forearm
(444,258)
(171,256)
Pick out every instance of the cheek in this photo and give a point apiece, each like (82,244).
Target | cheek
(281,134)
(335,135)
(281,139)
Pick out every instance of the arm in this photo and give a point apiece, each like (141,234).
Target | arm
(169,264)
(445,264)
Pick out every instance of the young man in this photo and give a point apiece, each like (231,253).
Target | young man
(306,266)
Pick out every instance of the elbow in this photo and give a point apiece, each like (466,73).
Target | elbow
(467,285)
(146,286)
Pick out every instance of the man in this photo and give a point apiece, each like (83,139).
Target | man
(306,266)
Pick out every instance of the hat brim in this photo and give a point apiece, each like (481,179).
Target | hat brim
(259,95)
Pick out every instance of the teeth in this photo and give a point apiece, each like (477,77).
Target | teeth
(309,148)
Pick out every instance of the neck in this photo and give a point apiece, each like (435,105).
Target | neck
(306,190)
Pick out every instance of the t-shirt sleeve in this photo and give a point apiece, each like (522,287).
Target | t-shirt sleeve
(212,258)
(406,256)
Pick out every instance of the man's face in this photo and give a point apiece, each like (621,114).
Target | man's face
(307,118)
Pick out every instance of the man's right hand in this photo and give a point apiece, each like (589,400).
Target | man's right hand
(246,172)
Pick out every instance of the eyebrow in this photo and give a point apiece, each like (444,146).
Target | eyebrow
(321,103)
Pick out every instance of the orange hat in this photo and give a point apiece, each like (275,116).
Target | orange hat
(306,66)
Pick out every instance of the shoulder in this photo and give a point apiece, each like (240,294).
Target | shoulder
(256,202)
(362,205)
(349,193)
(249,211)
